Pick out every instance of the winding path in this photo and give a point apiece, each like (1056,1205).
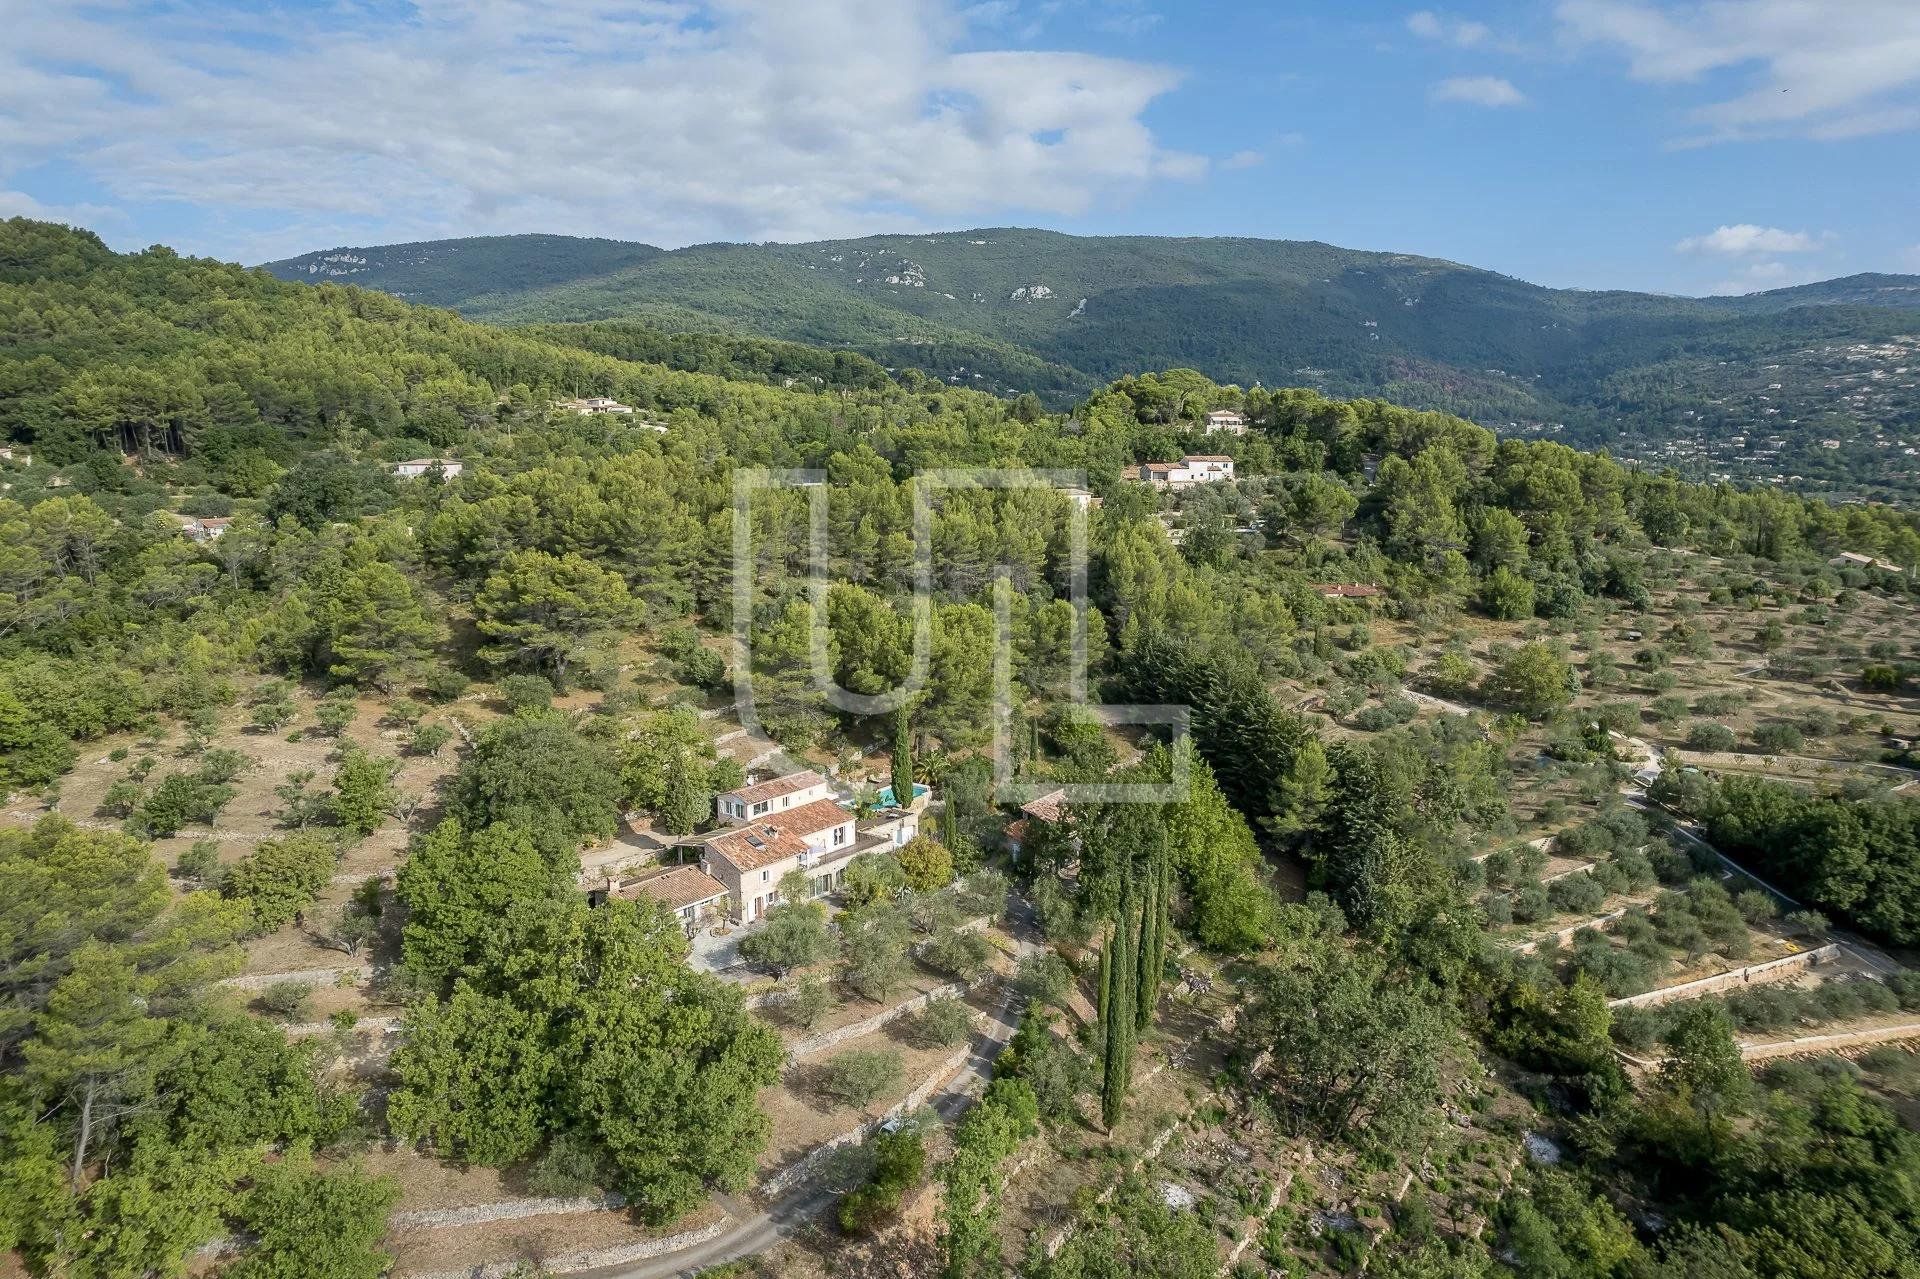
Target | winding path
(753,1230)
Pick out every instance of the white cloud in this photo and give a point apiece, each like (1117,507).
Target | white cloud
(1244,160)
(18,204)
(1429,25)
(1480,91)
(1824,69)
(1746,238)
(674,121)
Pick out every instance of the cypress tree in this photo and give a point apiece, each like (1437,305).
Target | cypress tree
(1119,1018)
(1152,947)
(902,759)
(1105,1011)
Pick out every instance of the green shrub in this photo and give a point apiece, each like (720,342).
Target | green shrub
(281,877)
(899,1165)
(857,1078)
(177,802)
(570,1167)
(287,1000)
(943,1023)
(199,864)
(1704,736)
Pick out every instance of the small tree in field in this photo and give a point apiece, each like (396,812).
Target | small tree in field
(858,1078)
(810,1002)
(943,1023)
(1534,680)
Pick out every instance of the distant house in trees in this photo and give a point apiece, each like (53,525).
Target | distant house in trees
(1348,590)
(1194,468)
(1049,809)
(1853,559)
(203,530)
(1229,420)
(792,823)
(1081,498)
(414,468)
(589,406)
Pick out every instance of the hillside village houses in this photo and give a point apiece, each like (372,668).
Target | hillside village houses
(766,830)
(1229,420)
(1194,468)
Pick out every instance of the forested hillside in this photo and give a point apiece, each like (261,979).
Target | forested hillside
(1006,309)
(457,272)
(321,782)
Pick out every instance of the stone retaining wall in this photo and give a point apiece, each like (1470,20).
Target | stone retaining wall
(828,1038)
(1771,970)
(305,976)
(1830,1043)
(784,1180)
(505,1210)
(1560,937)
(382,1025)
(570,1263)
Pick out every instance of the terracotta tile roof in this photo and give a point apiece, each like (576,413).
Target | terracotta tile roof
(756,846)
(777,787)
(809,819)
(1206,457)
(681,886)
(1050,807)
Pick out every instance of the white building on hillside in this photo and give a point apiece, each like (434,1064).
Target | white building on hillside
(588,406)
(1229,420)
(772,828)
(1194,468)
(414,468)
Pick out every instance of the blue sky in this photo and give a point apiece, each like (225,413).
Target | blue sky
(1678,145)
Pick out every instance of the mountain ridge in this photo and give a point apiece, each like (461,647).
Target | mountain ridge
(1012,309)
(1834,291)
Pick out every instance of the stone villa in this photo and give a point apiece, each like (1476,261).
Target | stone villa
(766,830)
